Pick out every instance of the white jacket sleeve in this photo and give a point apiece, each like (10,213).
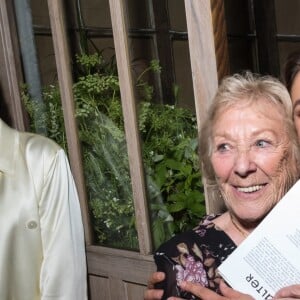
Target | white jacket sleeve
(63,271)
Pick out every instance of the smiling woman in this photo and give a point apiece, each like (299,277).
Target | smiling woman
(250,155)
(248,161)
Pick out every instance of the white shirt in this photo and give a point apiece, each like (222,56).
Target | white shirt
(42,253)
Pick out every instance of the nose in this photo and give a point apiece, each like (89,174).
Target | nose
(244,164)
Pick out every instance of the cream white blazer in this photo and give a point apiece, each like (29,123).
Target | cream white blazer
(42,253)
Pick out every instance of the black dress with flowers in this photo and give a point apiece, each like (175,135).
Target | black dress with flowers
(193,256)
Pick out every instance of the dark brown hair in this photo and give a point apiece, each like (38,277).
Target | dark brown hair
(291,69)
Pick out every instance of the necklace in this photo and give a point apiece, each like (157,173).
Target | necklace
(244,233)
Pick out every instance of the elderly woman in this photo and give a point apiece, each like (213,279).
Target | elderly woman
(250,155)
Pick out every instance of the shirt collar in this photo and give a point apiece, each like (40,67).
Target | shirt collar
(8,148)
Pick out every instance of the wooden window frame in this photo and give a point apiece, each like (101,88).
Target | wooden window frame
(205,65)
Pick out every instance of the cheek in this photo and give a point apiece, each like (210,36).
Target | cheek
(222,166)
(274,164)
(270,164)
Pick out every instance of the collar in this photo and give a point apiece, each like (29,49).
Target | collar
(9,139)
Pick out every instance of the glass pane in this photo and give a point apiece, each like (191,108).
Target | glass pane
(237,12)
(241,55)
(169,137)
(105,158)
(241,38)
(138,14)
(177,17)
(168,133)
(169,141)
(101,132)
(46,59)
(169,147)
(141,55)
(287,16)
(183,74)
(40,15)
(96,13)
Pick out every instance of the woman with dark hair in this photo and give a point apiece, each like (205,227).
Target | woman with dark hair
(292,82)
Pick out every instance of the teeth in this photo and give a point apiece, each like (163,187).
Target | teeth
(250,189)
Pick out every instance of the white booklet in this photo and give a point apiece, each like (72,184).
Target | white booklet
(269,258)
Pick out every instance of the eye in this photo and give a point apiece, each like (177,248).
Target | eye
(223,147)
(297,113)
(262,143)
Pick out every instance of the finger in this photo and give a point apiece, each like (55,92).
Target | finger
(286,298)
(292,291)
(230,293)
(200,291)
(153,294)
(155,278)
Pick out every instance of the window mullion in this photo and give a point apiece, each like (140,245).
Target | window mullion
(203,64)
(120,32)
(11,73)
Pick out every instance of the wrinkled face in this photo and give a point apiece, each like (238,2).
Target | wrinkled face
(252,159)
(295,95)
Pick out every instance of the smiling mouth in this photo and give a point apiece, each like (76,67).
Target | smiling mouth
(250,189)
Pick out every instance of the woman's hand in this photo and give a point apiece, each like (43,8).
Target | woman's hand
(207,294)
(289,292)
(151,293)
(196,289)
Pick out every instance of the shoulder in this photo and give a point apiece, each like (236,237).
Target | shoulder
(205,235)
(25,152)
(35,144)
(206,224)
(40,154)
(187,238)
(208,220)
(24,141)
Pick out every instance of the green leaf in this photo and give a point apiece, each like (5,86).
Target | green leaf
(158,231)
(173,164)
(176,207)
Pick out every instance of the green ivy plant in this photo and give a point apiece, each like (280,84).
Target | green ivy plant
(169,149)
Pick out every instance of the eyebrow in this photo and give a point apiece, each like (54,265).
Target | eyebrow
(254,134)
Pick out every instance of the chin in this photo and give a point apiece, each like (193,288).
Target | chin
(249,217)
(251,221)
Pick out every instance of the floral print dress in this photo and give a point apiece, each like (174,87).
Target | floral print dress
(193,256)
